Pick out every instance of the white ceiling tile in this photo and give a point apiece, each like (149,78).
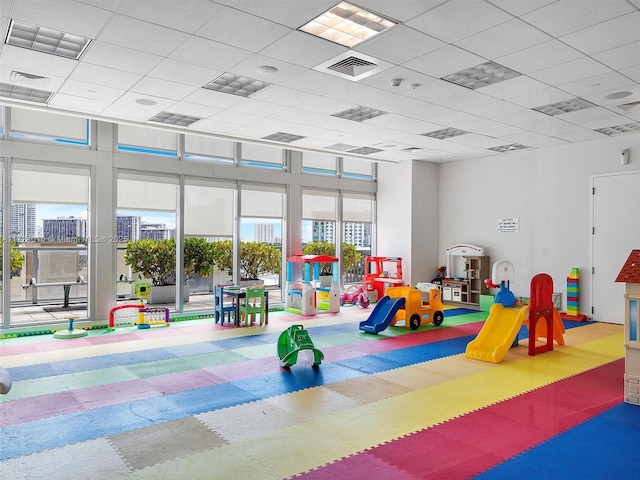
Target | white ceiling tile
(401,11)
(597,84)
(68,16)
(324,105)
(632,72)
(283,96)
(620,57)
(607,35)
(256,33)
(409,80)
(594,118)
(458,19)
(30,61)
(86,72)
(207,53)
(258,107)
(127,108)
(248,131)
(428,111)
(520,8)
(566,16)
(316,82)
(540,56)
(465,99)
(435,90)
(475,140)
(162,88)
(120,58)
(91,91)
(502,131)
(213,99)
(542,97)
(78,104)
(193,109)
(444,61)
(184,73)
(213,126)
(146,37)
(238,118)
(503,39)
(285,13)
(532,139)
(303,49)
(298,115)
(184,16)
(249,68)
(583,67)
(399,44)
(514,87)
(404,124)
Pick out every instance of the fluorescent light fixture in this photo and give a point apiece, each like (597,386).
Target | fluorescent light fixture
(481,75)
(25,94)
(236,85)
(572,105)
(283,137)
(508,148)
(46,40)
(174,119)
(359,114)
(347,25)
(365,150)
(444,133)
(620,129)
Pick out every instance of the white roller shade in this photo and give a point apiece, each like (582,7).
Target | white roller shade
(145,137)
(262,203)
(209,147)
(318,161)
(208,211)
(39,184)
(357,167)
(49,124)
(319,207)
(150,194)
(261,153)
(357,210)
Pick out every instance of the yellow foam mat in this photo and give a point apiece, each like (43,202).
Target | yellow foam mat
(340,428)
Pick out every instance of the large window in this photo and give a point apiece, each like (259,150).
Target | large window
(43,126)
(319,164)
(357,223)
(49,217)
(254,155)
(147,140)
(146,223)
(208,149)
(357,168)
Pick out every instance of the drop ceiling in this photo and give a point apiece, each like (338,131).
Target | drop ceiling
(568,72)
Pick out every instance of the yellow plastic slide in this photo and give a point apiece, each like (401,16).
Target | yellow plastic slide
(497,333)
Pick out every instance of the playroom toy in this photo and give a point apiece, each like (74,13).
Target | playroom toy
(404,305)
(503,324)
(573,297)
(140,315)
(306,296)
(355,295)
(630,276)
(5,381)
(70,332)
(502,274)
(294,341)
(381,273)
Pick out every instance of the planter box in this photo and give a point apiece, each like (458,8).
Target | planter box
(251,283)
(167,294)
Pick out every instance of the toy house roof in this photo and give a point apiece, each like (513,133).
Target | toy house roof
(630,272)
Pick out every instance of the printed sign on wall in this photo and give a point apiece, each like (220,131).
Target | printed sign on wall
(508,225)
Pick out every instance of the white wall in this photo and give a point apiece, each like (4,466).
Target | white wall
(549,191)
(407,217)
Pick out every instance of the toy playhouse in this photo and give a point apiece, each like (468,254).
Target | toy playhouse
(306,295)
(381,273)
(630,276)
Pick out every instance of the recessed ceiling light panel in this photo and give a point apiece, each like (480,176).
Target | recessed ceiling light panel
(46,40)
(25,94)
(573,105)
(347,25)
(365,150)
(481,75)
(340,146)
(283,137)
(236,85)
(444,133)
(174,119)
(359,114)
(508,148)
(620,129)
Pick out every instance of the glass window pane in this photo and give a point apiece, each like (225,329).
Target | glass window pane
(208,211)
(50,125)
(147,195)
(318,163)
(319,207)
(36,183)
(260,203)
(633,319)
(147,140)
(357,209)
(357,167)
(198,147)
(262,155)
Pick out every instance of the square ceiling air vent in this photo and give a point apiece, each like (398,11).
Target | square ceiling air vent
(283,137)
(352,66)
(176,119)
(620,129)
(628,106)
(365,150)
(46,40)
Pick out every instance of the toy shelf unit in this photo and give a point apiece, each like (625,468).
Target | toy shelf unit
(306,296)
(464,283)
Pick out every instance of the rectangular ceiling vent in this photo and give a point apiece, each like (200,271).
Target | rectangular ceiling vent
(352,66)
(16,92)
(30,78)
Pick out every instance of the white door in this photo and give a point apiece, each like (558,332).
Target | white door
(616,222)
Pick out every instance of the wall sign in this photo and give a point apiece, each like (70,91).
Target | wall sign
(508,225)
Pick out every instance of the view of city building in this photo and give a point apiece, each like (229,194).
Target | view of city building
(64,229)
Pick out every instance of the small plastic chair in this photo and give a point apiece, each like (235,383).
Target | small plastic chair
(222,310)
(253,304)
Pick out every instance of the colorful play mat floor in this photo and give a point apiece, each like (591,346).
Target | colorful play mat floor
(198,400)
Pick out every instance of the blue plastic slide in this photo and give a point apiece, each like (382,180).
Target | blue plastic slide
(382,314)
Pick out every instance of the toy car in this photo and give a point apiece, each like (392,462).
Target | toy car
(355,295)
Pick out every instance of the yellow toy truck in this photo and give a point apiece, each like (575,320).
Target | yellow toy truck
(415,311)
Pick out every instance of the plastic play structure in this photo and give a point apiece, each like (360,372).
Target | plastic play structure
(140,315)
(404,305)
(307,296)
(70,332)
(355,295)
(294,341)
(502,274)
(460,250)
(381,273)
(503,324)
